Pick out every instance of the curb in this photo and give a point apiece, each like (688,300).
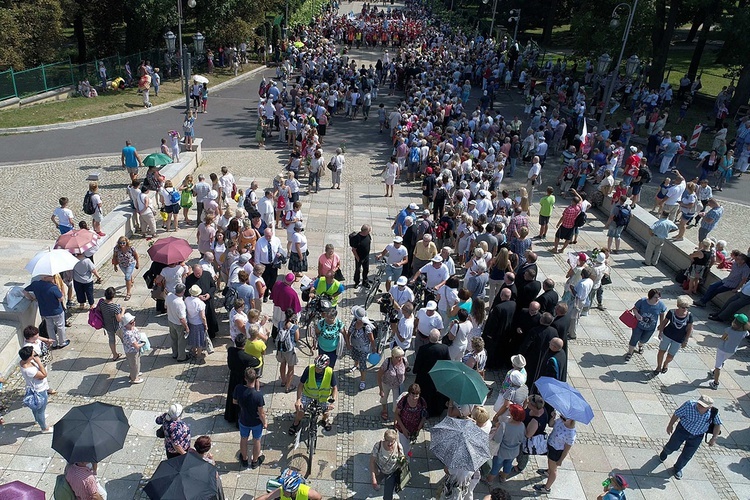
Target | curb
(120,116)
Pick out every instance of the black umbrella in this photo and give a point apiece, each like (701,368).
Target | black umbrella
(187,477)
(90,433)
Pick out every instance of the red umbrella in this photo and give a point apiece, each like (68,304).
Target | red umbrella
(170,250)
(77,241)
(17,490)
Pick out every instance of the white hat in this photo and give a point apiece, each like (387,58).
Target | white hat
(126,318)
(437,259)
(600,257)
(431,305)
(517,378)
(174,411)
(705,401)
(633,149)
(518,361)
(472,202)
(401,281)
(212,195)
(413,206)
(398,239)
(195,290)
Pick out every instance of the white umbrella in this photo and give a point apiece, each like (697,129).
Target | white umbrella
(200,79)
(51,262)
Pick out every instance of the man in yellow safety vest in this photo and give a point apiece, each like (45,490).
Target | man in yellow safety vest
(317,383)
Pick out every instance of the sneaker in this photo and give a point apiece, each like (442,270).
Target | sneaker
(662,456)
(244,463)
(49,430)
(713,385)
(541,488)
(678,474)
(257,463)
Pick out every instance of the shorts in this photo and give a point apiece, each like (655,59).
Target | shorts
(544,220)
(128,271)
(256,430)
(288,357)
(615,231)
(172,209)
(97,216)
(669,345)
(636,189)
(132,170)
(306,400)
(413,167)
(687,217)
(392,273)
(553,454)
(565,233)
(721,356)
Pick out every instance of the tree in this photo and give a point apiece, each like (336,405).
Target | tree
(593,35)
(713,8)
(734,53)
(665,19)
(146,21)
(41,23)
(11,38)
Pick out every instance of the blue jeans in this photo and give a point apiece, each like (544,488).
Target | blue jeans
(497,463)
(39,414)
(513,162)
(313,180)
(640,335)
(679,436)
(714,290)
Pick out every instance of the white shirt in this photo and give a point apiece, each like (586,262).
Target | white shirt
(201,191)
(301,239)
(396,255)
(448,298)
(535,169)
(175,309)
(405,330)
(427,323)
(194,306)
(261,250)
(173,275)
(401,297)
(458,347)
(265,206)
(435,276)
(226,182)
(64,216)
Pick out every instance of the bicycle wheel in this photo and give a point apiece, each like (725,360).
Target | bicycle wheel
(306,345)
(372,293)
(312,441)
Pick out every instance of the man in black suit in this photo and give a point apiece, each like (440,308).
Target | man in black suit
(497,330)
(554,362)
(509,282)
(528,290)
(427,356)
(561,323)
(537,341)
(529,263)
(549,297)
(525,321)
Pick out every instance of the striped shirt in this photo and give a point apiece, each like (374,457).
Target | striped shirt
(82,481)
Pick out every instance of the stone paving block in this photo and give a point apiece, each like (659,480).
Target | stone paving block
(29,463)
(591,458)
(625,423)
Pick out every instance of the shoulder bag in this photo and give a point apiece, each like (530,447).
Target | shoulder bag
(403,473)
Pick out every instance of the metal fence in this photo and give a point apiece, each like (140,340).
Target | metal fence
(53,76)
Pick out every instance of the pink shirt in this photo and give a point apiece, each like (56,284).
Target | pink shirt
(326,264)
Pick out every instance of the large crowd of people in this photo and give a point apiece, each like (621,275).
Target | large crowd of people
(466,250)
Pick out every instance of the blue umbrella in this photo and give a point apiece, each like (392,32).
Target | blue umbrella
(566,400)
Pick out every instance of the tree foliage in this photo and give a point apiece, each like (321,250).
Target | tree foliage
(31,33)
(10,52)
(593,35)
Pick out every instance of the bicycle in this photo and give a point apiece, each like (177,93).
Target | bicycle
(309,316)
(374,284)
(314,410)
(383,327)
(422,293)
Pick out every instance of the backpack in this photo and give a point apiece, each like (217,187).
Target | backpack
(353,239)
(581,219)
(174,196)
(645,176)
(425,227)
(230,295)
(712,422)
(284,339)
(96,319)
(88,205)
(622,218)
(248,205)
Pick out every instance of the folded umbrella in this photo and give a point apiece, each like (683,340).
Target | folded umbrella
(157,160)
(565,399)
(51,262)
(77,241)
(90,433)
(187,477)
(460,444)
(16,490)
(459,382)
(170,250)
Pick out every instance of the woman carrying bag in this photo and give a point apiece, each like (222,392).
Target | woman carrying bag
(35,376)
(385,463)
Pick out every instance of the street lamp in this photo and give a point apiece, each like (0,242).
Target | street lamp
(494,8)
(184,54)
(170,37)
(631,66)
(602,65)
(611,84)
(515,18)
(198,40)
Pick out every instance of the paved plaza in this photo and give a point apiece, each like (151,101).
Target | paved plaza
(631,406)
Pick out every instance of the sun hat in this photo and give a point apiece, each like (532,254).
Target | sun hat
(413,206)
(431,305)
(437,259)
(517,378)
(401,281)
(705,401)
(244,258)
(600,257)
(195,290)
(174,411)
(518,361)
(126,318)
(212,195)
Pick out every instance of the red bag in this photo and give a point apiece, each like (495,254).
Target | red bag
(281,203)
(629,319)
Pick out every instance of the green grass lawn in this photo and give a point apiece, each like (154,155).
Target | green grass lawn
(109,103)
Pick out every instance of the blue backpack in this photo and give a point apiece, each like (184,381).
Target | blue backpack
(174,196)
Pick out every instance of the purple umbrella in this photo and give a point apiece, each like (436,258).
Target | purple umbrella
(17,490)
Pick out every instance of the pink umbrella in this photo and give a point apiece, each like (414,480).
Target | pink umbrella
(17,490)
(170,250)
(77,241)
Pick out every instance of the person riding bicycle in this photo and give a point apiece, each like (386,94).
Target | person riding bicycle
(317,383)
(329,286)
(436,274)
(292,487)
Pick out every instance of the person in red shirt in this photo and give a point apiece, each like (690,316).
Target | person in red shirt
(566,226)
(632,164)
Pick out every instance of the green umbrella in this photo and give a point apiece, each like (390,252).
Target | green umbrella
(459,382)
(157,160)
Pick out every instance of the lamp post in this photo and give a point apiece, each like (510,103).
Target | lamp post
(184,54)
(494,9)
(611,84)
(516,18)
(198,40)
(169,38)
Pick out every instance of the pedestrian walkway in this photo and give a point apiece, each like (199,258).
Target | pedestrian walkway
(631,406)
